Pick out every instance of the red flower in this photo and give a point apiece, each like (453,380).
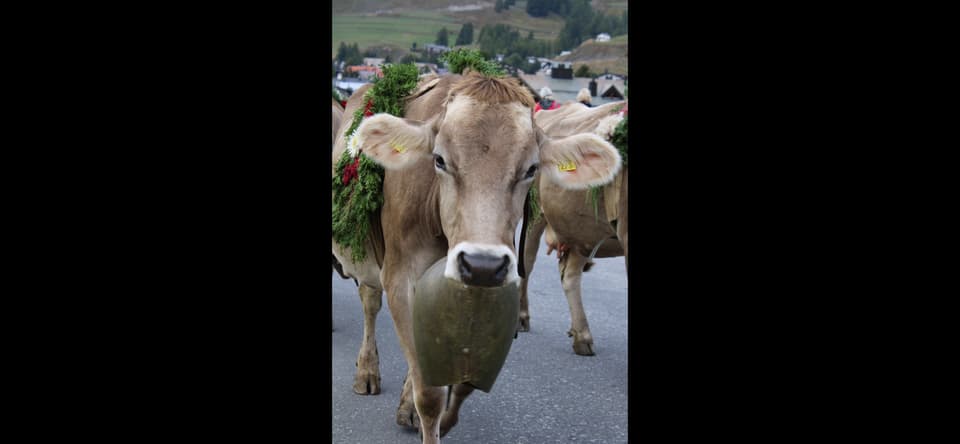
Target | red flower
(368,110)
(350,171)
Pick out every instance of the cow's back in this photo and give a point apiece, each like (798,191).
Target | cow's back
(574,118)
(427,100)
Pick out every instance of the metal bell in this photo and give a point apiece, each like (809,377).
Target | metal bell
(462,334)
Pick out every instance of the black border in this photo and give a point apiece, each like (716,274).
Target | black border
(208,234)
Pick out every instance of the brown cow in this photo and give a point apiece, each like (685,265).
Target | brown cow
(367,379)
(458,168)
(577,230)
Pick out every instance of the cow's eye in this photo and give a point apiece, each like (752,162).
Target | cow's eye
(531,172)
(438,161)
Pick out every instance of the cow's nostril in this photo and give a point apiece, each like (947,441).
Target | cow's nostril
(465,271)
(501,272)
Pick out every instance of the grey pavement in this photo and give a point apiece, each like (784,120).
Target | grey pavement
(544,393)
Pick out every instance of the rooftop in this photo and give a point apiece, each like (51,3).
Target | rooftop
(565,90)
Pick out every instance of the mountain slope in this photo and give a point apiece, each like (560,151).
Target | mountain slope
(599,56)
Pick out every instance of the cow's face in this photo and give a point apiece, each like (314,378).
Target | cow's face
(485,154)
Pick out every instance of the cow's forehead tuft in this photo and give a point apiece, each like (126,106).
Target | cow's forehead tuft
(494,90)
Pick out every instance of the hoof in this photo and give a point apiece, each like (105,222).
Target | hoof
(406,412)
(366,383)
(524,324)
(409,418)
(582,343)
(583,348)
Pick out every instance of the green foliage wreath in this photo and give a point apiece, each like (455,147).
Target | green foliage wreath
(358,181)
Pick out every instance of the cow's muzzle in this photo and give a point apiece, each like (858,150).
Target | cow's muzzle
(482,270)
(481,265)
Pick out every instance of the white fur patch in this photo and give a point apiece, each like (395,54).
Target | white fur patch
(452,270)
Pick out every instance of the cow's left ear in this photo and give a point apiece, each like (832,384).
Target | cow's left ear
(579,161)
(394,143)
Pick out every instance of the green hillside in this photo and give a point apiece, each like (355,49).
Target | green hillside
(353,6)
(397,25)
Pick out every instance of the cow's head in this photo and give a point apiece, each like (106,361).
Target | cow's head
(486,151)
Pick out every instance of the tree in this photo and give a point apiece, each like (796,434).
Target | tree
(515,60)
(577,25)
(349,54)
(442,37)
(583,71)
(466,35)
(409,58)
(537,8)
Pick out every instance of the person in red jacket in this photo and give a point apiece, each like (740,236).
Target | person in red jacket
(546,100)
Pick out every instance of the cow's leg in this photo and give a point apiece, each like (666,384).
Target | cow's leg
(406,412)
(531,246)
(367,380)
(624,224)
(455,397)
(571,270)
(430,402)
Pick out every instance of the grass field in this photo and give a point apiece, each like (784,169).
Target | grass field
(402,28)
(395,31)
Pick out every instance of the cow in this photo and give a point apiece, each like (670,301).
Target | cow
(367,379)
(574,227)
(458,167)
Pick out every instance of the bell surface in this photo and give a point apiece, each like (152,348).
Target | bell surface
(462,334)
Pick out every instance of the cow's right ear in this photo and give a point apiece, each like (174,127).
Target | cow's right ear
(393,142)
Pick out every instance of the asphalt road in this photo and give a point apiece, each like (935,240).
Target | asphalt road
(544,393)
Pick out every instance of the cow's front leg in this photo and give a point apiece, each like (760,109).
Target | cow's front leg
(406,412)
(429,401)
(367,379)
(531,245)
(571,271)
(624,223)
(455,397)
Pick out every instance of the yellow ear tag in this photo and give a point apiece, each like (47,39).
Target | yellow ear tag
(398,148)
(567,165)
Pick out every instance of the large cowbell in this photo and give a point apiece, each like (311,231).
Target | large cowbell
(462,334)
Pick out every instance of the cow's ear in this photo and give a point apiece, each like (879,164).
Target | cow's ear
(394,143)
(579,161)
